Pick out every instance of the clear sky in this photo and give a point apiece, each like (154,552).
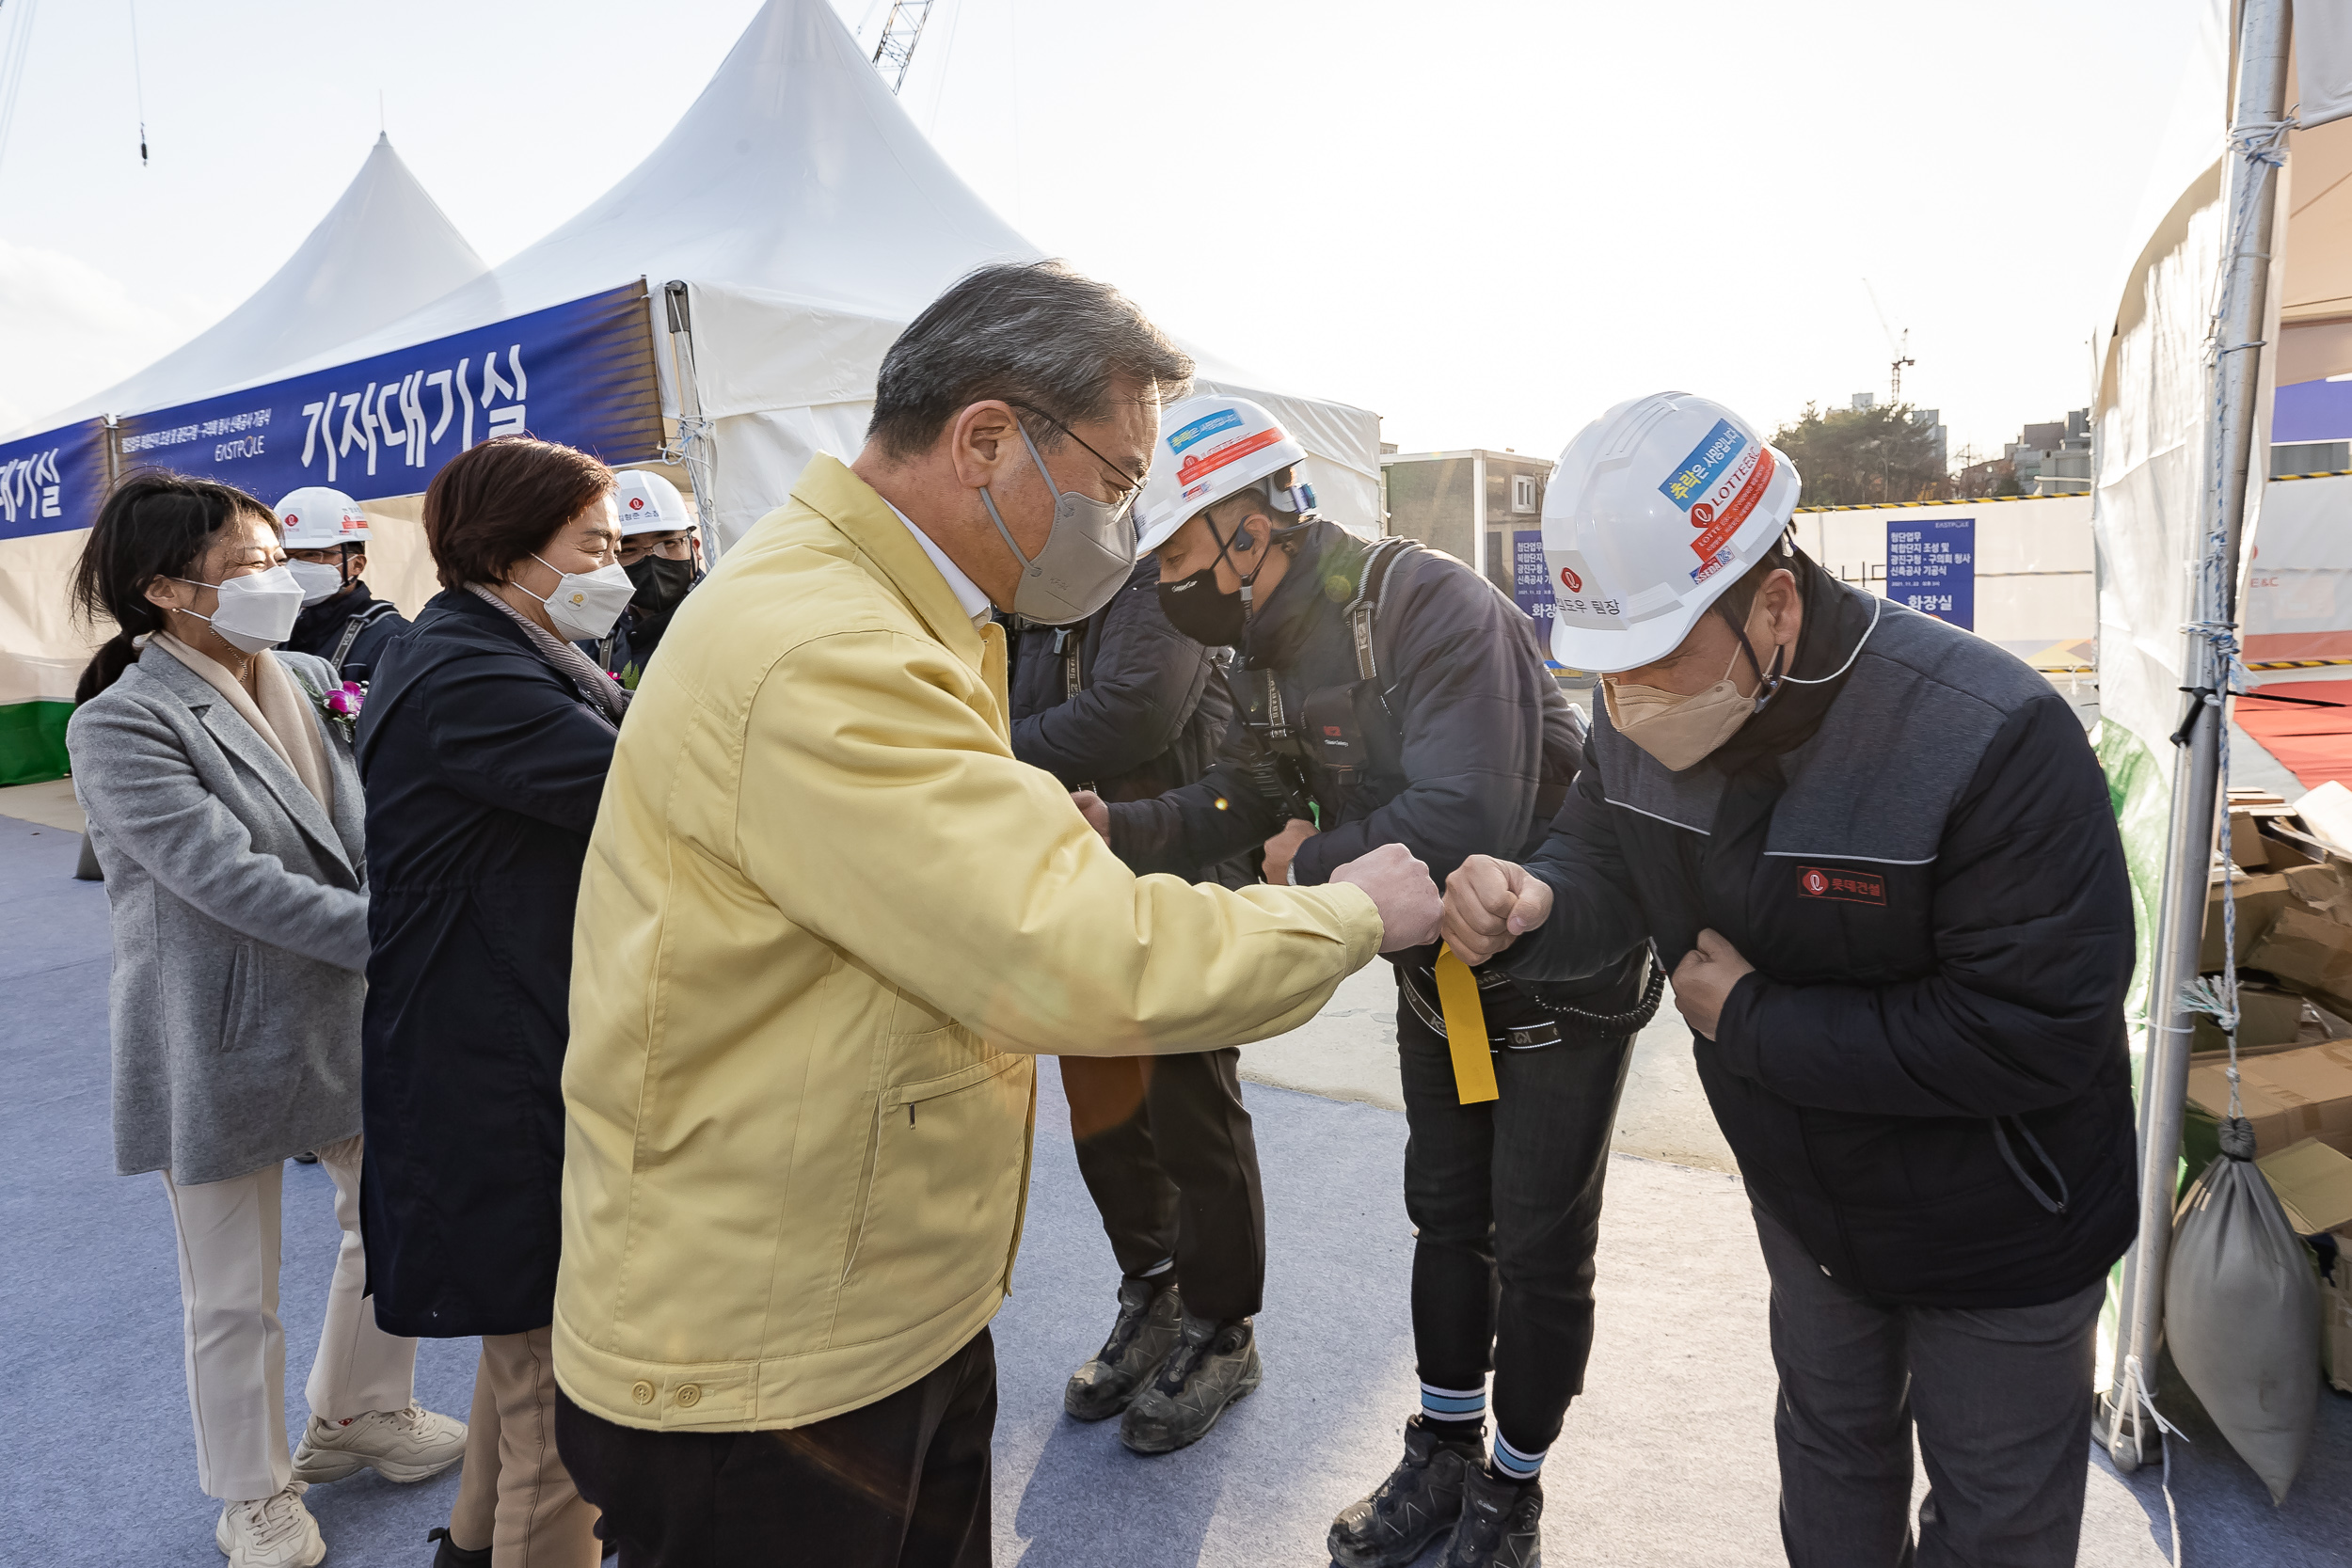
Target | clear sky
(1487,220)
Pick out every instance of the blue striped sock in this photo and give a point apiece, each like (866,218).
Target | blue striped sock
(1453,1404)
(1512,1465)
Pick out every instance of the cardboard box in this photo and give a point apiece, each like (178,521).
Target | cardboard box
(2259,901)
(2288,1095)
(2313,1183)
(2268,1018)
(2307,951)
(2335,1318)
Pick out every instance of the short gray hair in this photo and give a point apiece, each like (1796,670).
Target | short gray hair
(1038,336)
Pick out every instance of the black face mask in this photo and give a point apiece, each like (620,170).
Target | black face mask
(661,584)
(1196,606)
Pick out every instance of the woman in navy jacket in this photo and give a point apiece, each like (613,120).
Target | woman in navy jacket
(485,744)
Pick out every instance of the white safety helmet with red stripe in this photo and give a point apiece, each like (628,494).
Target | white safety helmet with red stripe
(648,503)
(1212,447)
(317,518)
(1654,510)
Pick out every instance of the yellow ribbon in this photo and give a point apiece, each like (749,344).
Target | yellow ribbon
(1465,1030)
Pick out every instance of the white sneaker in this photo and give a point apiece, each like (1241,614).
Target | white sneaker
(276,1532)
(399,1445)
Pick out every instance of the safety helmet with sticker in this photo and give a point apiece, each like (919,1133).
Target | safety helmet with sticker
(317,518)
(1212,447)
(1653,510)
(648,503)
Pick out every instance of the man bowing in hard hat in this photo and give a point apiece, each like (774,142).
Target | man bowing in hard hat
(1879,855)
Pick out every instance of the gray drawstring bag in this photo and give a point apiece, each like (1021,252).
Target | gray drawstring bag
(2242,1312)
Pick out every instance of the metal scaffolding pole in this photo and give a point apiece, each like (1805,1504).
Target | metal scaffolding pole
(2126,1424)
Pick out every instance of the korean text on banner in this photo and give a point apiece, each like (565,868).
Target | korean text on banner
(1931,567)
(581,374)
(53,482)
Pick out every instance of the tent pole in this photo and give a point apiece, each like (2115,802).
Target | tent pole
(693,430)
(2248,214)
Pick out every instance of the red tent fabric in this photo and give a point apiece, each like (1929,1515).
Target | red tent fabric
(2314,743)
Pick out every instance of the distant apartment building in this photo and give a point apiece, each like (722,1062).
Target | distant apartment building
(2052,459)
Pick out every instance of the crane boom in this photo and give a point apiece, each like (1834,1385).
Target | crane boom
(1899,348)
(899,35)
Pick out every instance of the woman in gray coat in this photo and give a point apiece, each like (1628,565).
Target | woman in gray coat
(226,813)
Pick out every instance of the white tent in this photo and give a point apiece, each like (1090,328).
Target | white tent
(811,220)
(381,251)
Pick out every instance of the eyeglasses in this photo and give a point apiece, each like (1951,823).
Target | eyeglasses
(1129,487)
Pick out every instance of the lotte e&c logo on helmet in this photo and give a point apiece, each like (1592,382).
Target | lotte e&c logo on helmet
(637,503)
(1575,584)
(292,520)
(1702,514)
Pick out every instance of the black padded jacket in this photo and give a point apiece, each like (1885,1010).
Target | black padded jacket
(1926,1077)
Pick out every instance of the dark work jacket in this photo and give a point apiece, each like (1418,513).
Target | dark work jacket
(1471,744)
(483,766)
(1920,861)
(319,630)
(1150,712)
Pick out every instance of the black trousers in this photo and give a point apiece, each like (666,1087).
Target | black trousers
(903,1483)
(1172,1162)
(1505,1198)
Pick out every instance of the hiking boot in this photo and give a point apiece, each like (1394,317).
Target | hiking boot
(399,1445)
(1151,1315)
(1498,1527)
(1212,1365)
(1417,1502)
(276,1532)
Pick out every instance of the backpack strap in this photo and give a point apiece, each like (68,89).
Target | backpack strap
(1066,640)
(1380,557)
(353,628)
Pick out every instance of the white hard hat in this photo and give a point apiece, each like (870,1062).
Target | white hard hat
(1213,447)
(317,518)
(1654,510)
(648,503)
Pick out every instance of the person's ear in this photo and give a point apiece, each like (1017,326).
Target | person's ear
(354,563)
(166,595)
(982,440)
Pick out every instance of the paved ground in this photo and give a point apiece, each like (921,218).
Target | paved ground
(1666,1461)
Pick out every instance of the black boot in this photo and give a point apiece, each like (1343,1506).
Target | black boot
(1150,1318)
(1498,1528)
(1212,1365)
(1417,1502)
(451,1555)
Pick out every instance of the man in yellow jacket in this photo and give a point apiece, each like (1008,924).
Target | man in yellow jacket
(826,923)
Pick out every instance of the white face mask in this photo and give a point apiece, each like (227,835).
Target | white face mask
(319,583)
(256,611)
(585,603)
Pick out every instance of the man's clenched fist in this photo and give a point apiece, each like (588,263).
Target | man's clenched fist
(1489,904)
(1400,886)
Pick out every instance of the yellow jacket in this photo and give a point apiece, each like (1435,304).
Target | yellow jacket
(826,922)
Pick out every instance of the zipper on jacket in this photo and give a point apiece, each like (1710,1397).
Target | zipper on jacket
(2000,1136)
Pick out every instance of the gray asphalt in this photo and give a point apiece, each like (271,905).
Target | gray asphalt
(1667,1458)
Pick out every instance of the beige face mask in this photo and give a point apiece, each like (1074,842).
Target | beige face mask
(1677,730)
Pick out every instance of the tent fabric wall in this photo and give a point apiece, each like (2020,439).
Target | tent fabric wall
(2298,584)
(2323,61)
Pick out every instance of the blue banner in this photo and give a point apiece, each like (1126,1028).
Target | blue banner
(53,482)
(1931,566)
(581,374)
(1531,583)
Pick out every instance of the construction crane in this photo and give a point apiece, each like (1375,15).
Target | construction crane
(1898,348)
(899,36)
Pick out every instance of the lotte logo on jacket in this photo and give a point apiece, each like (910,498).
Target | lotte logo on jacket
(1849,887)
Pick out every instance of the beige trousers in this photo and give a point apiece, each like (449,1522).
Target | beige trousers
(236,1344)
(515,1497)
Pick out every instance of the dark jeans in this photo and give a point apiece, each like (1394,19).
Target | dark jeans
(903,1483)
(1169,1157)
(1505,1197)
(2002,1397)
